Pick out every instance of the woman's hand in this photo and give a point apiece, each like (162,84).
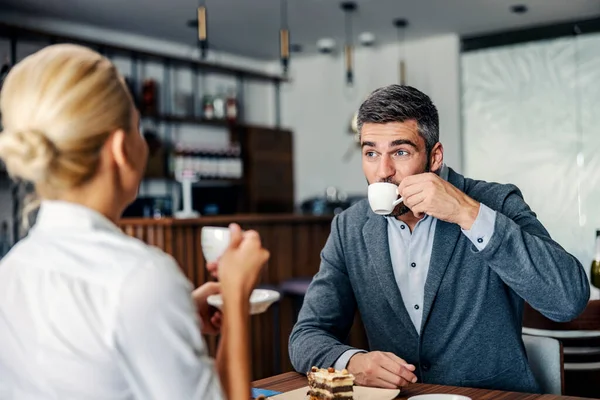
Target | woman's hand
(239,267)
(211,317)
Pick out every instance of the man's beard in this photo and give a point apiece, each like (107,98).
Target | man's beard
(401,208)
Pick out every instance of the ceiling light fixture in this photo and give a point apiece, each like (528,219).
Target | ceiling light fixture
(284,38)
(349,7)
(401,24)
(367,39)
(201,28)
(326,45)
(519,9)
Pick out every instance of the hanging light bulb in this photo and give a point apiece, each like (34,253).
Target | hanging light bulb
(202,29)
(284,38)
(349,7)
(400,25)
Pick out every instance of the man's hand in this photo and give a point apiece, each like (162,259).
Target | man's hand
(210,317)
(379,369)
(429,194)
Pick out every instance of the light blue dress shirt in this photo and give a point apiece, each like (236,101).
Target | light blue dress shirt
(410,253)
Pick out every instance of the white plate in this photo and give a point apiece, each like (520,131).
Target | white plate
(360,393)
(260,300)
(439,397)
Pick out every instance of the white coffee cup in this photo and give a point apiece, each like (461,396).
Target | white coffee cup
(214,241)
(383,197)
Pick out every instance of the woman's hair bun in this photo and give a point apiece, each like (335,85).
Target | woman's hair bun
(28,154)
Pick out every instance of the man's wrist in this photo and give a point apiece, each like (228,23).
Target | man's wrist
(469,214)
(356,358)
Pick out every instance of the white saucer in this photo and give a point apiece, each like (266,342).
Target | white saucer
(439,397)
(260,300)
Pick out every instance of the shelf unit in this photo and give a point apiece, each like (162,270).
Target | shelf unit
(165,116)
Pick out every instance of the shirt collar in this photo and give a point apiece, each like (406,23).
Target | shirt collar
(57,214)
(443,172)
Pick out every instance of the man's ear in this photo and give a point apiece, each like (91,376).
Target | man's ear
(436,158)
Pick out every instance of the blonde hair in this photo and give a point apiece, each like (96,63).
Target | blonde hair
(58,107)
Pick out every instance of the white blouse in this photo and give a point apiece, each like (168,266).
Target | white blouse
(87,312)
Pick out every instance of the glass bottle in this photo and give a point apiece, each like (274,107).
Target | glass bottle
(595,269)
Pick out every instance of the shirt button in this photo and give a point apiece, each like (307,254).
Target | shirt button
(402,226)
(425,366)
(416,306)
(480,240)
(413,265)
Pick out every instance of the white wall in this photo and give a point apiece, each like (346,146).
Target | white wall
(318,107)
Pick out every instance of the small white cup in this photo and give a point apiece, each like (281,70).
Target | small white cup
(383,197)
(214,241)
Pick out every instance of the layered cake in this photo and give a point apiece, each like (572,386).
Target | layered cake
(328,384)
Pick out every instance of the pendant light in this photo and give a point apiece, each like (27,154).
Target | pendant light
(349,7)
(401,25)
(202,28)
(284,38)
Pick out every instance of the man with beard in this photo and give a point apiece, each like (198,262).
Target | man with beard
(440,284)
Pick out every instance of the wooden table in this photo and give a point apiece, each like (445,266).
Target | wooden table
(291,381)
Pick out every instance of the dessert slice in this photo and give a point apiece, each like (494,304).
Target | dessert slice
(329,384)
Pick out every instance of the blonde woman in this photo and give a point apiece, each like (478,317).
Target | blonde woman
(87,312)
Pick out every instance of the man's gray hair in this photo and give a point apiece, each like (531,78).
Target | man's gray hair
(399,103)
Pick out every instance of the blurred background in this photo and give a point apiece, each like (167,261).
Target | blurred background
(255,100)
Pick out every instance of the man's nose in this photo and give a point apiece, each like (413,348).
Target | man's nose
(386,168)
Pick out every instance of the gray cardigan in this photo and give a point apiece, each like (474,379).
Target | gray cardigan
(473,307)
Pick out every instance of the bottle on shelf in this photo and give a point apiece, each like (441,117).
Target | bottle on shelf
(231,106)
(211,164)
(197,161)
(202,158)
(221,156)
(219,104)
(188,163)
(207,162)
(208,111)
(595,269)
(149,104)
(228,164)
(237,164)
(178,158)
(215,159)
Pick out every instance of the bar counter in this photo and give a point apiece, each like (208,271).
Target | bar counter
(295,243)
